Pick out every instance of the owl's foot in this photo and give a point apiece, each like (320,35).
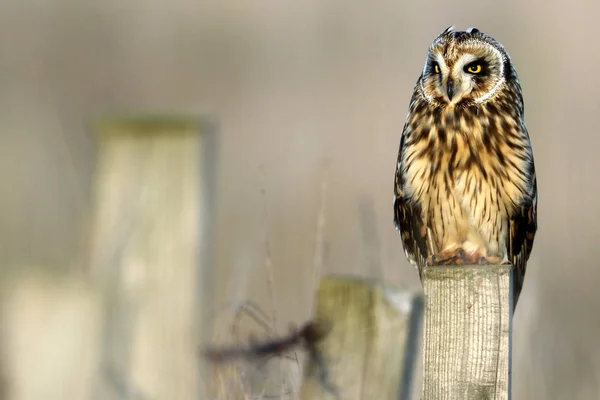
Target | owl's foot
(479,258)
(459,256)
(494,260)
(475,258)
(448,257)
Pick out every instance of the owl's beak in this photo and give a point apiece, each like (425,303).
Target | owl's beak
(450,88)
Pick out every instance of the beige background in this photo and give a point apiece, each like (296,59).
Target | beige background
(295,86)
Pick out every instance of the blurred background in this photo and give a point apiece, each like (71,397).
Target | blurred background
(310,98)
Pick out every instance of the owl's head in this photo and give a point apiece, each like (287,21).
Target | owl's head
(464,67)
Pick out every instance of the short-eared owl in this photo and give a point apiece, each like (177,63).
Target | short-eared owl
(465,181)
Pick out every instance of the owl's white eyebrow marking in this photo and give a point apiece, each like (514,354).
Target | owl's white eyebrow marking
(441,61)
(464,60)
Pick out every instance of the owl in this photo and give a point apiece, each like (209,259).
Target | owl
(465,184)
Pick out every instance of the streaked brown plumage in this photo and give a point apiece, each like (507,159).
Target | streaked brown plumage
(465,185)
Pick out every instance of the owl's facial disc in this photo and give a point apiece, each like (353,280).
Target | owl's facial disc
(470,70)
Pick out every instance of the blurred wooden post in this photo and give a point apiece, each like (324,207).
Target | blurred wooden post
(51,328)
(150,253)
(3,353)
(467,332)
(369,348)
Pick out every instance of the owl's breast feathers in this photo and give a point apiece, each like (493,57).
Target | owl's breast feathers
(465,179)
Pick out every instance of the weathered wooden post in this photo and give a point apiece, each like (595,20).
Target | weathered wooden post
(149,252)
(369,348)
(51,325)
(467,332)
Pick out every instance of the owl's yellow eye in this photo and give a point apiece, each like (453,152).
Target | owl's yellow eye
(474,68)
(436,69)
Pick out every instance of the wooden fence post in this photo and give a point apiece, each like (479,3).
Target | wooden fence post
(51,327)
(150,253)
(369,348)
(467,332)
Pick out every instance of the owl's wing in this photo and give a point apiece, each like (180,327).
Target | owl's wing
(408,217)
(521,233)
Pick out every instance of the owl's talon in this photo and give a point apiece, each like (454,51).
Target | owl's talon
(448,257)
(494,260)
(459,256)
